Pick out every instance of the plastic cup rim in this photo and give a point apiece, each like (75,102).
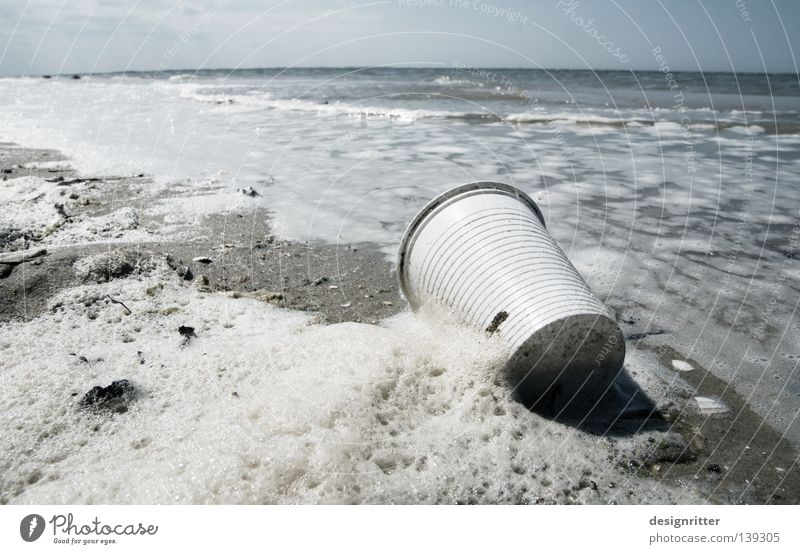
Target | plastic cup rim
(451,194)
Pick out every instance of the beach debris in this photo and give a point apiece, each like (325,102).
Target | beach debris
(249,191)
(151,291)
(711,405)
(320,281)
(714,468)
(671,449)
(120,303)
(141,357)
(495,324)
(387,303)
(22,256)
(637,336)
(586,484)
(114,398)
(262,295)
(9,261)
(187,333)
(62,183)
(680,365)
(333,287)
(346,304)
(184,271)
(268,296)
(170,310)
(202,259)
(202,283)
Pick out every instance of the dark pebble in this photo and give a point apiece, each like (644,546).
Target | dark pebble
(114,398)
(186,331)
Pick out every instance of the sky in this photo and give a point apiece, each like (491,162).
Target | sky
(69,36)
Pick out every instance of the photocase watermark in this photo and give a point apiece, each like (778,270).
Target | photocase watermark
(321,155)
(488,9)
(503,81)
(31,527)
(185,36)
(669,341)
(610,345)
(679,105)
(744,13)
(743,219)
(67,531)
(513,88)
(569,7)
(776,288)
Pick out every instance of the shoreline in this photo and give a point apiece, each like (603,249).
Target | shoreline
(243,254)
(232,258)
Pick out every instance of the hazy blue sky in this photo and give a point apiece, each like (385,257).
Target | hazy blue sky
(49,36)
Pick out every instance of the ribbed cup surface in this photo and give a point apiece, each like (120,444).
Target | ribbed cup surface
(482,250)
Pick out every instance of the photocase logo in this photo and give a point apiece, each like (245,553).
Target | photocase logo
(31,527)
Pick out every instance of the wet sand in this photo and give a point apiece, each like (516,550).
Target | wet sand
(658,438)
(341,283)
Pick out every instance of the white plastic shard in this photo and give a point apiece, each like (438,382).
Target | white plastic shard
(711,406)
(680,365)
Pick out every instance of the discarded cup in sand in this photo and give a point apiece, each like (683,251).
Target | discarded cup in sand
(482,250)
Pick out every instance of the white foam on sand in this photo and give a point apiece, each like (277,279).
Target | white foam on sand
(265,405)
(31,206)
(28,204)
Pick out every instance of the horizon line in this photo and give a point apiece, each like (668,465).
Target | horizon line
(411,67)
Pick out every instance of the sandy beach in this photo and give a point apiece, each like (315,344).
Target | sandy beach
(262,370)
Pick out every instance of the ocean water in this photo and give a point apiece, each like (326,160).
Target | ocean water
(350,154)
(680,206)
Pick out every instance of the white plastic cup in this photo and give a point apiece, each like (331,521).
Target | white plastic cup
(482,250)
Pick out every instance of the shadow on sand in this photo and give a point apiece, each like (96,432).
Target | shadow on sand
(620,409)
